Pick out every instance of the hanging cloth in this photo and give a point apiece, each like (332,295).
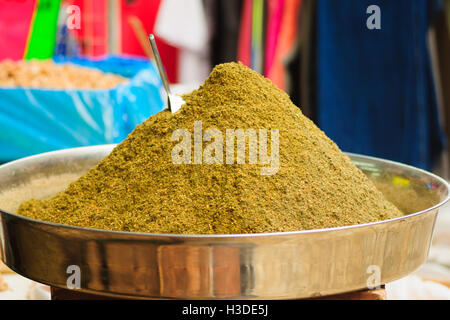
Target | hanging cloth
(183,24)
(274,16)
(257,36)
(447,13)
(224,17)
(285,43)
(15,24)
(376,94)
(42,39)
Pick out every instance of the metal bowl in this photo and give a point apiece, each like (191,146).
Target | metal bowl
(268,266)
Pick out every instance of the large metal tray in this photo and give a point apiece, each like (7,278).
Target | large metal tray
(268,266)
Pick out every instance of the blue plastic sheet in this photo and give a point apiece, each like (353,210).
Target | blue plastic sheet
(40,120)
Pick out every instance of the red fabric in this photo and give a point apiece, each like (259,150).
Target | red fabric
(245,34)
(15,20)
(146,11)
(100,28)
(93,34)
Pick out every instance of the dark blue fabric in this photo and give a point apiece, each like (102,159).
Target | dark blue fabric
(40,120)
(375,88)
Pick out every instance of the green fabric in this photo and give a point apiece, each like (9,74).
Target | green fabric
(257,36)
(43,31)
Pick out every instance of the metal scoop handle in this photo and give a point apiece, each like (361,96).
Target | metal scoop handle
(162,72)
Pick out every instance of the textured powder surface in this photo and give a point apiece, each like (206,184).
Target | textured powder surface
(138,187)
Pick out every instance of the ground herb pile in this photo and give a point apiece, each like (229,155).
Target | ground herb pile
(138,188)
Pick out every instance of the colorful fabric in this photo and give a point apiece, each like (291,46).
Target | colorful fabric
(184,26)
(257,52)
(286,42)
(275,14)
(147,12)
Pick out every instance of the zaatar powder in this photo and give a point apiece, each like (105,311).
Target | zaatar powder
(138,187)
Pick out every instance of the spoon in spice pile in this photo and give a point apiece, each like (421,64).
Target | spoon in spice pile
(174,102)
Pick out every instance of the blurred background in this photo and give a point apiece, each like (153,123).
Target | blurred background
(373,74)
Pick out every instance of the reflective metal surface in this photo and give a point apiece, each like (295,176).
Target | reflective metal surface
(271,266)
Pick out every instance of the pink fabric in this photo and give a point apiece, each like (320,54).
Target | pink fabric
(287,37)
(245,34)
(15,21)
(275,13)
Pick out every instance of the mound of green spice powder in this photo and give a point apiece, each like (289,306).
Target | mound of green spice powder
(139,188)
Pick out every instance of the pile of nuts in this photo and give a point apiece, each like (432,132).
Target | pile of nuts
(49,75)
